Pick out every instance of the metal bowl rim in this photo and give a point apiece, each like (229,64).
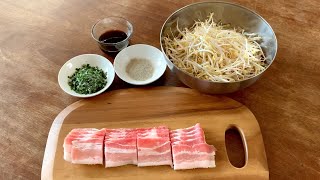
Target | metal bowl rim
(222,2)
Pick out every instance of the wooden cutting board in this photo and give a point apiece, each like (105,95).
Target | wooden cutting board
(147,107)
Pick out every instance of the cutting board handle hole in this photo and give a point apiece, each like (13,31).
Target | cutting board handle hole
(236,147)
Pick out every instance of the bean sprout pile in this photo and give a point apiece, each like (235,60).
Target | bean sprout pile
(212,51)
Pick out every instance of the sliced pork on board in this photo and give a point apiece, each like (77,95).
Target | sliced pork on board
(180,148)
(154,146)
(84,146)
(120,147)
(190,150)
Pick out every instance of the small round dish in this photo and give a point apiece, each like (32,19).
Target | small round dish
(76,62)
(115,33)
(140,51)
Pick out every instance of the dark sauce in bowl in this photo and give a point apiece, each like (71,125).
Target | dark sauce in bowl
(113,41)
(113,36)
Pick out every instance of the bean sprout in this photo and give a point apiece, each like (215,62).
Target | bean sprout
(211,51)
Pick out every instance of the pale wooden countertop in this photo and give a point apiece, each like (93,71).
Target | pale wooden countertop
(38,37)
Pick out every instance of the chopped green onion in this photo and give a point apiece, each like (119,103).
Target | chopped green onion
(87,80)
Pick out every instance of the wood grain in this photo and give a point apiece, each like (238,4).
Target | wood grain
(38,37)
(133,108)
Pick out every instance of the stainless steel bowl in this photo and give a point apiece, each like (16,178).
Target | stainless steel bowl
(228,13)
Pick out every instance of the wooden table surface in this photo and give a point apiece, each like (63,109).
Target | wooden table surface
(38,37)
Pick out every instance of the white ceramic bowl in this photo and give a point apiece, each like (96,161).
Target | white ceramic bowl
(143,51)
(76,62)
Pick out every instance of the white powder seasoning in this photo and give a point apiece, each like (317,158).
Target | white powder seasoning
(139,69)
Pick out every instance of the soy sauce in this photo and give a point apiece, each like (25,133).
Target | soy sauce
(113,36)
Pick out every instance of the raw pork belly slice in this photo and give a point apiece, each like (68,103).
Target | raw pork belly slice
(196,129)
(190,150)
(191,157)
(190,142)
(180,148)
(87,151)
(120,147)
(154,146)
(84,146)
